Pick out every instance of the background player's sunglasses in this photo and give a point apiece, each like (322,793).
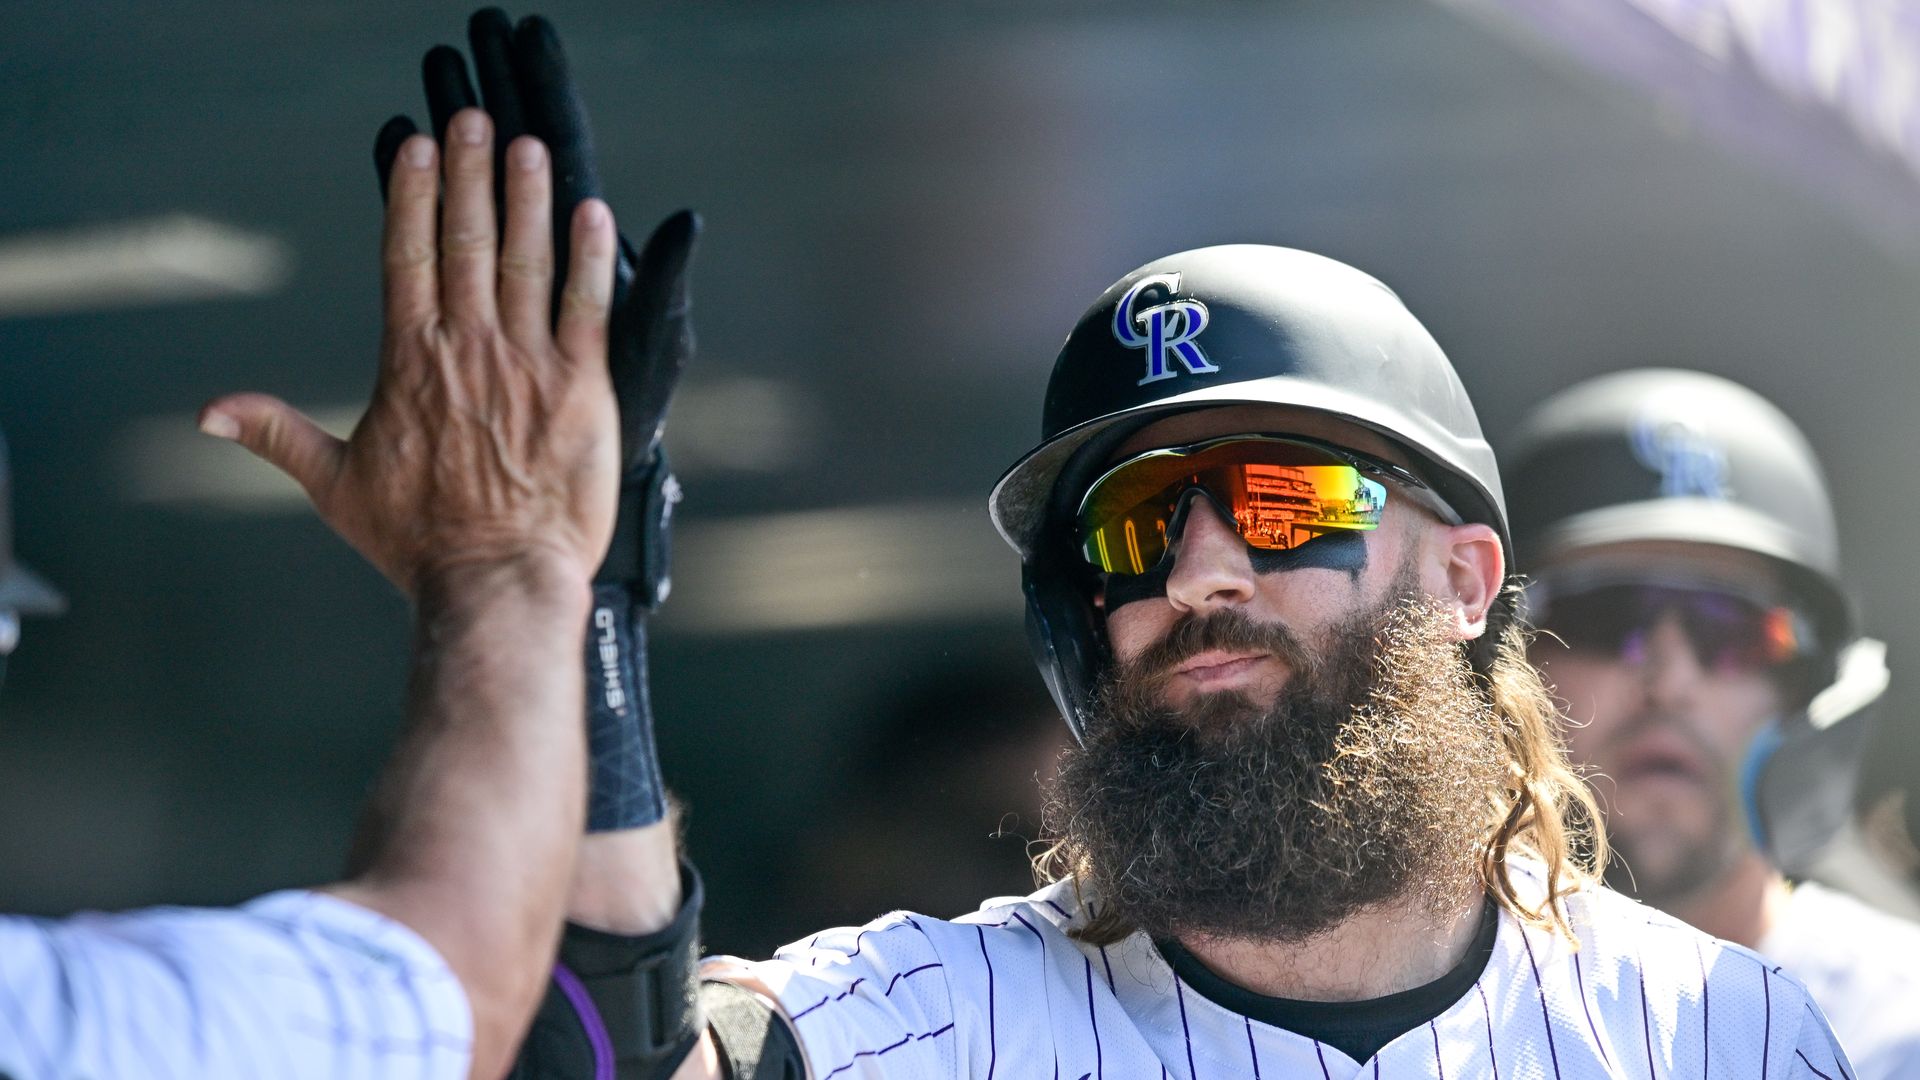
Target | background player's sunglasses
(1728,630)
(1277,492)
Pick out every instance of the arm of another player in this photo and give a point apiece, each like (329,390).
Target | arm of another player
(623,990)
(481,481)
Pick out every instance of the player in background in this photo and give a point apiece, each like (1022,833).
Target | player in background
(1318,822)
(482,481)
(1683,554)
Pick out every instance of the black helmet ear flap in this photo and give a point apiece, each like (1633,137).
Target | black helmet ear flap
(1068,641)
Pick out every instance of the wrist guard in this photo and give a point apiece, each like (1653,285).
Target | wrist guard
(625,789)
(620,1007)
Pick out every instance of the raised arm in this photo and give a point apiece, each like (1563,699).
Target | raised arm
(482,481)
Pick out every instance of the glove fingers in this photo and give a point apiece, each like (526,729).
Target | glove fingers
(658,313)
(444,71)
(386,146)
(490,35)
(552,111)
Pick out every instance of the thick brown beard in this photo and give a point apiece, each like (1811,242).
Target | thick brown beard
(1368,782)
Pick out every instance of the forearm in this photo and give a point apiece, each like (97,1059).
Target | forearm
(471,835)
(627,882)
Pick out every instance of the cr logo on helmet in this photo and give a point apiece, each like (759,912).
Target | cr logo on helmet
(1163,330)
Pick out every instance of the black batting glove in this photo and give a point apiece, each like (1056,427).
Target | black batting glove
(526,88)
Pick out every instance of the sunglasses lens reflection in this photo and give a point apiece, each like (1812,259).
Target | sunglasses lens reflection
(1278,495)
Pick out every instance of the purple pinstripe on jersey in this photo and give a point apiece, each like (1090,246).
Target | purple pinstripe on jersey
(993,1035)
(1031,930)
(1251,1052)
(1043,961)
(1818,1019)
(590,1019)
(1322,1052)
(1809,1065)
(898,975)
(1487,1011)
(1064,913)
(851,987)
(904,1040)
(855,985)
(1766,996)
(860,937)
(1108,964)
(1186,1033)
(1093,1019)
(1546,1018)
(1646,1018)
(1706,1013)
(1580,982)
(1439,1067)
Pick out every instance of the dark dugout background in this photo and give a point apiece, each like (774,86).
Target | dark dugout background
(907,208)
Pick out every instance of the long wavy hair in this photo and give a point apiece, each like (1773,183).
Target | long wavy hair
(1542,811)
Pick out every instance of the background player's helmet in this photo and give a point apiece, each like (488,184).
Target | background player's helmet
(22,592)
(1235,325)
(1665,454)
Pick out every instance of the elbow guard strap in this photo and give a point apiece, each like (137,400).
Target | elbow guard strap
(621,1007)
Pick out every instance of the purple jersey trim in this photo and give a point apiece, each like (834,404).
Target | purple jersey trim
(590,1019)
(1252,1052)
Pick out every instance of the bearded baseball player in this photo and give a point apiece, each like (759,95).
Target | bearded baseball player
(1683,554)
(1318,821)
(483,482)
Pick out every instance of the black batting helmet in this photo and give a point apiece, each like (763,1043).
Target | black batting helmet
(1674,455)
(1242,324)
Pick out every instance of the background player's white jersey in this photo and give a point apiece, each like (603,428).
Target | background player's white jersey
(1863,967)
(295,984)
(1004,992)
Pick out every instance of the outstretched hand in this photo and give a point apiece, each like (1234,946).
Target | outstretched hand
(492,434)
(526,87)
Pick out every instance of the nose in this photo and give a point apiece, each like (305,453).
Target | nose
(1670,669)
(1211,569)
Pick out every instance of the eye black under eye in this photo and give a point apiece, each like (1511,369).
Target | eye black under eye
(1345,552)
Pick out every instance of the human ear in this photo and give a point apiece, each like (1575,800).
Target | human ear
(1475,568)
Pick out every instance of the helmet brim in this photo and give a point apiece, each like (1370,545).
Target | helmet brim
(1021,500)
(1701,521)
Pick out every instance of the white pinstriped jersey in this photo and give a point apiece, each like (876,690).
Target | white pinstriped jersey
(1004,992)
(293,985)
(1863,967)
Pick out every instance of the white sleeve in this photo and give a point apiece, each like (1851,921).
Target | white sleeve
(863,1002)
(294,984)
